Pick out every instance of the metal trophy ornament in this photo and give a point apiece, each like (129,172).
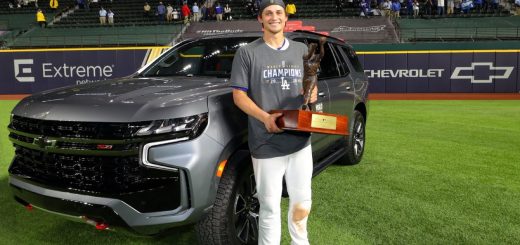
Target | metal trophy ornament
(305,119)
(311,65)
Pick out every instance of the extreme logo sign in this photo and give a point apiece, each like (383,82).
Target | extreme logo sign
(23,70)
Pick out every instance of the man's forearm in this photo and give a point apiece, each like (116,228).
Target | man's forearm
(248,106)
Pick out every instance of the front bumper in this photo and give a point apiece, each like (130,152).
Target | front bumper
(192,159)
(115,213)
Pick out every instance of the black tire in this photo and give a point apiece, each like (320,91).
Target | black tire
(234,216)
(355,145)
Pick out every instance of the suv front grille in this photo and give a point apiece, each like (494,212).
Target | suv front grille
(111,175)
(85,130)
(115,177)
(97,159)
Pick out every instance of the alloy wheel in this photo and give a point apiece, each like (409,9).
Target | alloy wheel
(359,138)
(245,211)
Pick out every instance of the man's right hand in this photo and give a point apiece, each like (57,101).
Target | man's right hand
(270,123)
(245,103)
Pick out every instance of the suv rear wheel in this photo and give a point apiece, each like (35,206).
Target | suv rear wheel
(355,141)
(234,216)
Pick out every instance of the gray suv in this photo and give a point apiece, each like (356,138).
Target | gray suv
(166,147)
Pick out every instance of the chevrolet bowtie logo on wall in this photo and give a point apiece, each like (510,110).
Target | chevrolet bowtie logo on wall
(494,72)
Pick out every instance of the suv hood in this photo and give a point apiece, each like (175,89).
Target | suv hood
(123,100)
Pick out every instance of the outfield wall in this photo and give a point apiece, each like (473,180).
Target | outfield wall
(436,71)
(30,71)
(456,71)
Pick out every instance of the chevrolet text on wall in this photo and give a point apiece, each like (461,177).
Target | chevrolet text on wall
(495,72)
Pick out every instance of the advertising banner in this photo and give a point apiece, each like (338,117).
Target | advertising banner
(375,30)
(35,71)
(472,71)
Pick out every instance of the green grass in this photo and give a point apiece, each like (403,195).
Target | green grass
(434,172)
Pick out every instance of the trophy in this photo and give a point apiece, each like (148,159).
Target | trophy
(304,119)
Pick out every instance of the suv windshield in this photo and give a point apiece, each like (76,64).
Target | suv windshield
(201,58)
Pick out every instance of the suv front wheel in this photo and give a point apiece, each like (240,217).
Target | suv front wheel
(355,145)
(233,218)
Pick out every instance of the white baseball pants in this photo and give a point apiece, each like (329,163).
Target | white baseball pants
(297,168)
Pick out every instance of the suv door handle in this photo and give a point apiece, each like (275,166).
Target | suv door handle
(321,94)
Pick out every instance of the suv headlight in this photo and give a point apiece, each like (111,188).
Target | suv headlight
(191,125)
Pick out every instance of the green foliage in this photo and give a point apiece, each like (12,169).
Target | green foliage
(434,172)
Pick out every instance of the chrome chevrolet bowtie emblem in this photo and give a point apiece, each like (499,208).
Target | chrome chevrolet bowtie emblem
(44,142)
(495,72)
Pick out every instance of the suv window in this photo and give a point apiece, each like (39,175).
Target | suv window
(201,58)
(342,62)
(328,66)
(352,56)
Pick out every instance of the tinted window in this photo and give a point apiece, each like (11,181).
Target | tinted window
(343,67)
(202,58)
(328,67)
(352,56)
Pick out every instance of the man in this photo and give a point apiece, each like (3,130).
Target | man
(195,11)
(259,87)
(204,12)
(365,11)
(40,18)
(219,11)
(146,10)
(227,12)
(450,7)
(161,11)
(428,8)
(169,13)
(387,6)
(186,12)
(396,9)
(110,17)
(440,7)
(102,16)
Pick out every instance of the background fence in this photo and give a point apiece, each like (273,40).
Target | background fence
(459,33)
(427,71)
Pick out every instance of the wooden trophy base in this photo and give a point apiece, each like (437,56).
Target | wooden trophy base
(314,122)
